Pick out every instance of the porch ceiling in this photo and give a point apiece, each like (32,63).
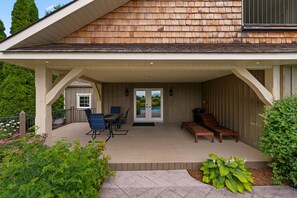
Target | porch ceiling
(149,70)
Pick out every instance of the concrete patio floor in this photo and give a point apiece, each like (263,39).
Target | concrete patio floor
(178,184)
(164,146)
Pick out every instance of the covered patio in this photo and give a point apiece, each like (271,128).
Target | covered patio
(162,147)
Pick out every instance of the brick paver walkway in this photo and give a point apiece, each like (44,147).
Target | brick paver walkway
(177,184)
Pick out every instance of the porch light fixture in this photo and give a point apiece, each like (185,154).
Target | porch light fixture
(126,92)
(170,92)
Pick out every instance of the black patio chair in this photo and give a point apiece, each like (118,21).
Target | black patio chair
(115,109)
(97,124)
(118,123)
(88,114)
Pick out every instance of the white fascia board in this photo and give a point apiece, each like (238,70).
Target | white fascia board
(148,56)
(10,42)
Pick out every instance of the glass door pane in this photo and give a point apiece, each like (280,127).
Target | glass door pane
(141,104)
(156,104)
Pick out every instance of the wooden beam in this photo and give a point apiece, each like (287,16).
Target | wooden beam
(90,79)
(98,92)
(54,93)
(58,79)
(265,96)
(276,82)
(43,115)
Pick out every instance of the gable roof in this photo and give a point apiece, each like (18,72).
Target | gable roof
(61,23)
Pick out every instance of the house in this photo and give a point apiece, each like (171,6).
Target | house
(232,57)
(78,96)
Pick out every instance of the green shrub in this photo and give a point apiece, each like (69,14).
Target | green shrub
(279,140)
(232,173)
(59,171)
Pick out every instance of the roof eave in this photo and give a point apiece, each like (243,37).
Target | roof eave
(61,23)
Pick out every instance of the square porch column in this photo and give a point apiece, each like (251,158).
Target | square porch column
(43,119)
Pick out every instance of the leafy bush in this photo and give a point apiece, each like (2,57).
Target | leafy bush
(35,170)
(231,173)
(279,140)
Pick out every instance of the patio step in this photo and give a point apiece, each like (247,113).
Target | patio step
(171,166)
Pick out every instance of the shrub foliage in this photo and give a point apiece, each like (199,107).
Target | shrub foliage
(232,173)
(279,140)
(63,170)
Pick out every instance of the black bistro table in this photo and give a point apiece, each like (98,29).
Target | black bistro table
(110,119)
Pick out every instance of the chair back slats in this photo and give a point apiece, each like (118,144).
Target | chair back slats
(208,119)
(88,113)
(126,114)
(115,109)
(97,121)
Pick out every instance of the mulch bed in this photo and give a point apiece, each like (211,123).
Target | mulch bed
(261,176)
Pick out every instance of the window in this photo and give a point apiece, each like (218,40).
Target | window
(269,14)
(83,100)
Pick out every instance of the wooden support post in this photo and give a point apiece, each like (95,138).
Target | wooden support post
(71,114)
(22,117)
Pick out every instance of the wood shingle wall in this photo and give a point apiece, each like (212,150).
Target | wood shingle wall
(175,21)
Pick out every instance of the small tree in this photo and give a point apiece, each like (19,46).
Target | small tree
(279,140)
(23,14)
(56,7)
(2,31)
(2,36)
(17,91)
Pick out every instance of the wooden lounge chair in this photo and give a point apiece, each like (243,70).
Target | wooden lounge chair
(210,122)
(197,130)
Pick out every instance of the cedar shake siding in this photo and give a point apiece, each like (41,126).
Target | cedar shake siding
(175,21)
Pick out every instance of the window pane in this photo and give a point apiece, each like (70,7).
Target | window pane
(84,101)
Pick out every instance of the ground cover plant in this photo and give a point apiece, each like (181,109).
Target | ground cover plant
(279,140)
(230,173)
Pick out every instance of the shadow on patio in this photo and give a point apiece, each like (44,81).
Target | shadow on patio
(162,147)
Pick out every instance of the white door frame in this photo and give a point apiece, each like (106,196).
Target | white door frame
(148,106)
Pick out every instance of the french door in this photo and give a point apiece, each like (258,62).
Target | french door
(148,105)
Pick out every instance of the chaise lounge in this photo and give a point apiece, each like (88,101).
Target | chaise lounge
(210,122)
(197,130)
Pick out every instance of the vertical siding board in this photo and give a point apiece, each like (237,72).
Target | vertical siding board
(177,108)
(294,80)
(238,107)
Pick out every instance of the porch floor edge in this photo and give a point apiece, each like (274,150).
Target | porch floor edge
(172,166)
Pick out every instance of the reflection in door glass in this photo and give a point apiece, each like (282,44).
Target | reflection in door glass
(156,104)
(140,104)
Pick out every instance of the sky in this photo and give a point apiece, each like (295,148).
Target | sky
(6,7)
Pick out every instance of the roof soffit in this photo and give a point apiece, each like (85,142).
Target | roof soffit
(61,23)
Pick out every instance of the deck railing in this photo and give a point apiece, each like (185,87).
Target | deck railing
(60,118)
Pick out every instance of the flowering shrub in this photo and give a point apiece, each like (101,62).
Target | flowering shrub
(15,142)
(231,173)
(9,131)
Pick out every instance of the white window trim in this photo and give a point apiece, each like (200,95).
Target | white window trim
(78,95)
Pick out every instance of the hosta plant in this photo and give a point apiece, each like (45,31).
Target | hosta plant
(230,173)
